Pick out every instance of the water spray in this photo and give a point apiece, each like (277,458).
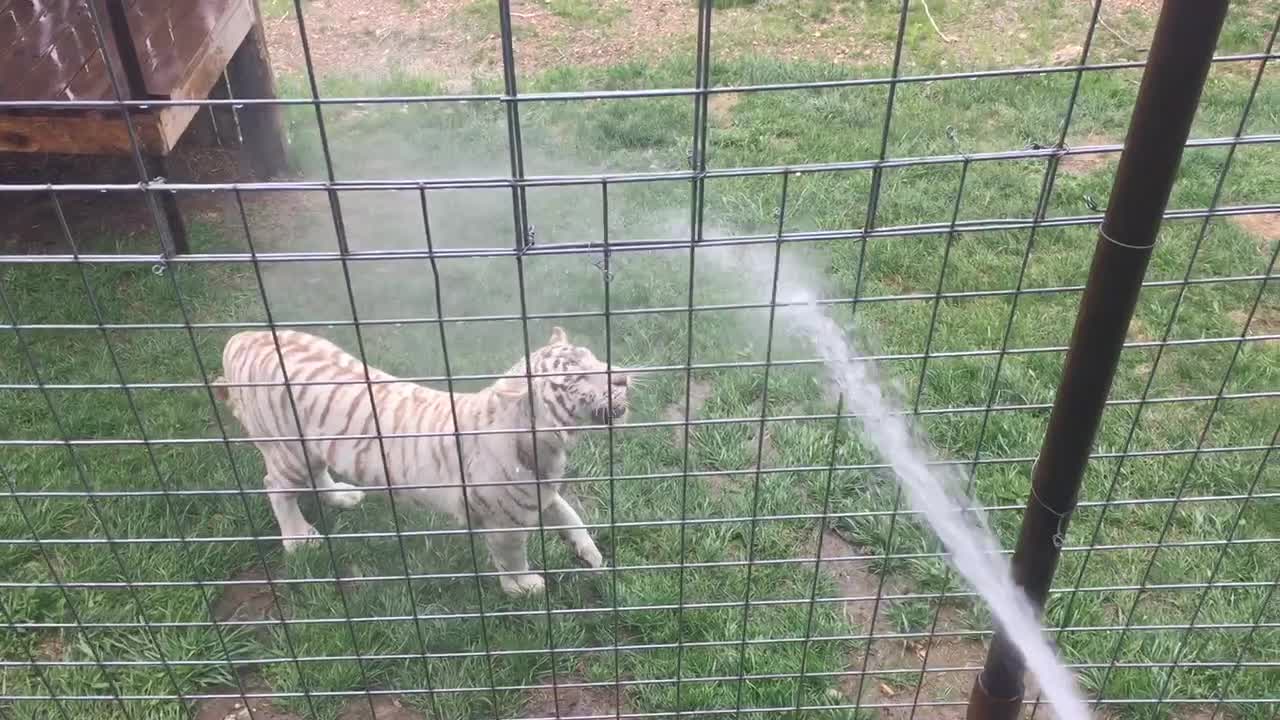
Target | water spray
(1015,591)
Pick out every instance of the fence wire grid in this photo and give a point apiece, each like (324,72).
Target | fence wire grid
(759,558)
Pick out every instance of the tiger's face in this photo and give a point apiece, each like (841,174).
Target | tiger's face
(572,384)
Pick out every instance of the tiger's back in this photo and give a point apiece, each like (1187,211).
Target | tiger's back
(333,402)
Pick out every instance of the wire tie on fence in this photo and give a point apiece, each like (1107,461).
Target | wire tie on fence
(1060,535)
(159,268)
(530,239)
(953,135)
(600,265)
(1103,232)
(1091,203)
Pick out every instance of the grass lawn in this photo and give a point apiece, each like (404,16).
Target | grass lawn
(140,614)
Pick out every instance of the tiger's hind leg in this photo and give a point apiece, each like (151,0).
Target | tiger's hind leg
(294,527)
(288,477)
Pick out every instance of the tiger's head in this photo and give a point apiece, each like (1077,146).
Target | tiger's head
(571,385)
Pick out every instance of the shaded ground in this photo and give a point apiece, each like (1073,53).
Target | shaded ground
(31,223)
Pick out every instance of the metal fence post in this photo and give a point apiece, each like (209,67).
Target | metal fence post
(1176,69)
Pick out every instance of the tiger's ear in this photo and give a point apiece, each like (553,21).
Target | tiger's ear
(558,335)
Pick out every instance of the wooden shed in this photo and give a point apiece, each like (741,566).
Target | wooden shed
(60,51)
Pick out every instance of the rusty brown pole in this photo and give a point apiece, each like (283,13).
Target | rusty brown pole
(1176,68)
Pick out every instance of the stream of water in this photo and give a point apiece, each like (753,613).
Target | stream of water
(936,492)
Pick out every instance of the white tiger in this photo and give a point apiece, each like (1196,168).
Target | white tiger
(332,400)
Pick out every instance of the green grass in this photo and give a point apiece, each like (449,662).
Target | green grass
(587,12)
(638,135)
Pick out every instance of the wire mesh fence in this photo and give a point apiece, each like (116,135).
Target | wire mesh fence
(757,555)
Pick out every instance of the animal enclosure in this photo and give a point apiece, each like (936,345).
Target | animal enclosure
(760,559)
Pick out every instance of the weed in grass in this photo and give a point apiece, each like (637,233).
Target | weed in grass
(911,616)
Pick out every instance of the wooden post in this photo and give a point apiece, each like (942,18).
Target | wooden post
(122,54)
(261,126)
(215,125)
(173,233)
(223,116)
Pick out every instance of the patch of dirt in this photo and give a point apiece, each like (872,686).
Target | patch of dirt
(720,108)
(1067,55)
(253,601)
(51,648)
(949,685)
(573,701)
(1264,227)
(1138,331)
(718,485)
(234,708)
(385,707)
(1266,320)
(1087,164)
(1196,712)
(855,579)
(768,451)
(370,37)
(699,392)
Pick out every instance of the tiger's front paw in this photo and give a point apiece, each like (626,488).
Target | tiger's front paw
(589,554)
(310,536)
